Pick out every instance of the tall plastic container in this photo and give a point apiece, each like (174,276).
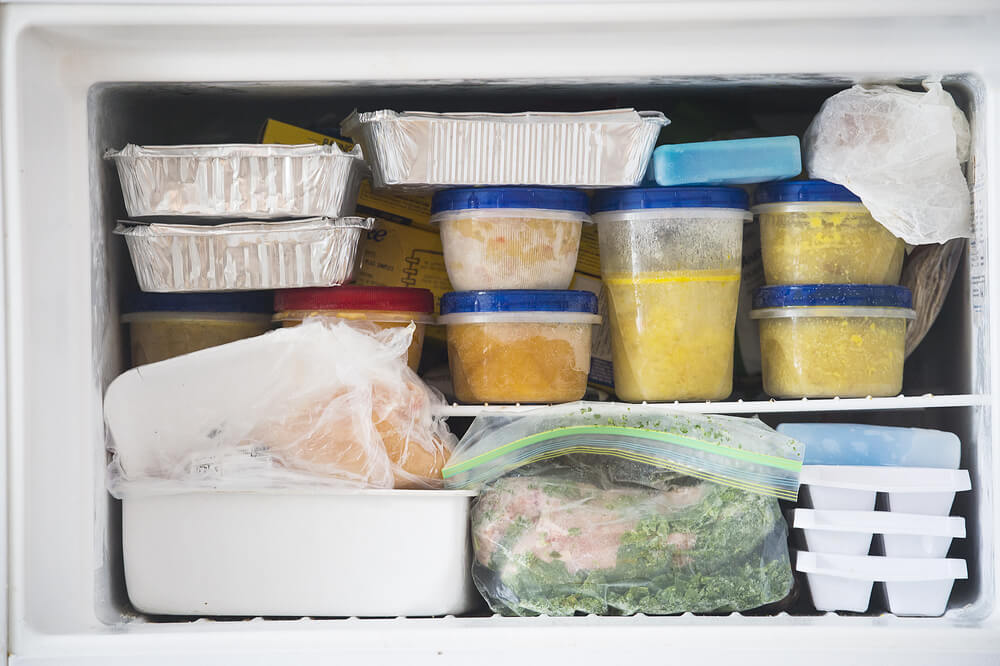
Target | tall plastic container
(670,261)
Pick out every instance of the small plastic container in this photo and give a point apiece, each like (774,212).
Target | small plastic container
(921,490)
(734,162)
(510,237)
(388,307)
(903,534)
(163,326)
(873,445)
(670,262)
(817,232)
(914,587)
(519,345)
(823,341)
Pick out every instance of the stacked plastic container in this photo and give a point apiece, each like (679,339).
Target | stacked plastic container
(850,546)
(832,320)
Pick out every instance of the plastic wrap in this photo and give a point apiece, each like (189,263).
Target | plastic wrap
(902,153)
(317,252)
(425,150)
(239,180)
(611,509)
(321,404)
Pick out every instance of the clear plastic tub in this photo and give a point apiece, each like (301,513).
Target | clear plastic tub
(823,341)
(162,326)
(863,444)
(387,307)
(519,345)
(510,237)
(816,232)
(670,261)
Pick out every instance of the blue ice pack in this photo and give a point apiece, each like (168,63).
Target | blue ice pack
(874,446)
(735,162)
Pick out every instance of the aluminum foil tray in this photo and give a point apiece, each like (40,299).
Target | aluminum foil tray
(316,252)
(239,180)
(421,150)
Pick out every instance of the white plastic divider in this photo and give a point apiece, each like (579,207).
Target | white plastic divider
(771,406)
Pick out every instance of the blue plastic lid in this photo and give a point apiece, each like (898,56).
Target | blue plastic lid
(637,198)
(805,295)
(236,301)
(519,300)
(802,190)
(550,198)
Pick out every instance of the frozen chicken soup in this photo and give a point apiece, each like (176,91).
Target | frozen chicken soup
(510,237)
(670,262)
(814,231)
(519,345)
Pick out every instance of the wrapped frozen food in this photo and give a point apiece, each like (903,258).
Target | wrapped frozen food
(615,510)
(326,403)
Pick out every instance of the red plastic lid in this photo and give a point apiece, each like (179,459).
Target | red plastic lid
(381,299)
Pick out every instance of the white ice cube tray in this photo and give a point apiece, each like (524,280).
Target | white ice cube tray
(919,490)
(903,534)
(915,587)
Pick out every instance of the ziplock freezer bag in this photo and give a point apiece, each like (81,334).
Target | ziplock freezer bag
(901,152)
(593,508)
(326,403)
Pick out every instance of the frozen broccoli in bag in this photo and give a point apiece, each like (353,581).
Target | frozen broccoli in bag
(616,509)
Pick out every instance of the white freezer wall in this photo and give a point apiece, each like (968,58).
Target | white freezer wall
(59,330)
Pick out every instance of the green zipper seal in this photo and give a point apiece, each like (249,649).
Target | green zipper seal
(641,433)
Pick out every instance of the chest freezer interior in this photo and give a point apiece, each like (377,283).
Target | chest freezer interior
(946,379)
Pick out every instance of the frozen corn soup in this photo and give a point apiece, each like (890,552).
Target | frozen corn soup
(670,261)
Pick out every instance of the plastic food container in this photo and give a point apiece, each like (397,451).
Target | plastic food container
(735,162)
(422,150)
(518,345)
(388,307)
(257,181)
(918,587)
(299,554)
(817,232)
(922,490)
(510,237)
(162,326)
(903,534)
(822,341)
(862,444)
(670,262)
(317,252)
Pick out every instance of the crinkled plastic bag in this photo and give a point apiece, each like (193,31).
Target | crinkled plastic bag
(325,403)
(618,520)
(901,152)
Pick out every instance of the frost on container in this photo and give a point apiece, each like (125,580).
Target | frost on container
(597,508)
(240,256)
(250,181)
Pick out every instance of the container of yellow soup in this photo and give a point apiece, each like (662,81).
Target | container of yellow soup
(509,346)
(386,307)
(162,326)
(817,232)
(827,340)
(670,262)
(510,237)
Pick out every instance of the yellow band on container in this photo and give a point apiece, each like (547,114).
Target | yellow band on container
(714,277)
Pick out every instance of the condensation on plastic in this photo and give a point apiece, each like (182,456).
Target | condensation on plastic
(504,248)
(317,252)
(239,180)
(429,150)
(672,278)
(901,152)
(328,403)
(608,524)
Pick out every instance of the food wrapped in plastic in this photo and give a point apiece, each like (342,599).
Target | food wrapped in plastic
(240,256)
(615,510)
(421,150)
(257,181)
(326,403)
